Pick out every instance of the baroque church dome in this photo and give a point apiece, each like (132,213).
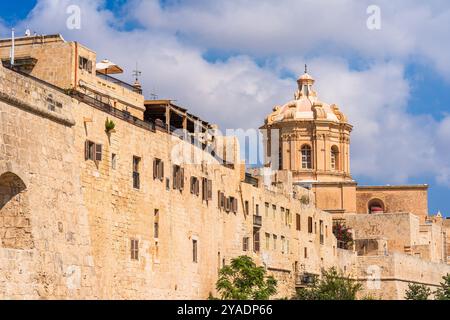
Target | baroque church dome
(306,105)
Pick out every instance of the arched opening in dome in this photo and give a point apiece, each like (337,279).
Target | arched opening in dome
(334,158)
(376,206)
(306,156)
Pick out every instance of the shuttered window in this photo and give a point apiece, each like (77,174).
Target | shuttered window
(158,169)
(92,151)
(178,178)
(134,249)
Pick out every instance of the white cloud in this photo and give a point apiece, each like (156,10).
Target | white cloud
(387,143)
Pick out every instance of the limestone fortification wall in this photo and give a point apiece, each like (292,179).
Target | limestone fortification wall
(395,272)
(77,217)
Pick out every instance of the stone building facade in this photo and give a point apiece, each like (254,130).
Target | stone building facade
(154,207)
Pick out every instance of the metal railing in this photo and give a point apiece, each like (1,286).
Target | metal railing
(119,82)
(257,220)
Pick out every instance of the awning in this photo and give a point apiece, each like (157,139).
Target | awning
(108,67)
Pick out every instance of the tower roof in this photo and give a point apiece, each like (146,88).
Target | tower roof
(306,105)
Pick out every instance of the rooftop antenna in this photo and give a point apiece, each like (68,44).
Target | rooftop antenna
(306,68)
(154,96)
(12,47)
(137,73)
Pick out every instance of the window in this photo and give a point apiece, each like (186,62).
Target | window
(134,249)
(266,209)
(195,186)
(246,207)
(92,151)
(274,242)
(310,225)
(156,224)
(113,161)
(233,204)
(85,64)
(288,217)
(267,241)
(282,214)
(315,227)
(227,204)
(306,252)
(297,222)
(283,244)
(167,184)
(206,189)
(257,209)
(321,231)
(376,206)
(256,239)
(158,169)
(136,177)
(194,251)
(221,199)
(334,158)
(274,211)
(178,178)
(245,243)
(306,157)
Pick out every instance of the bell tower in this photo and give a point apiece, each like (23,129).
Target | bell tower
(313,137)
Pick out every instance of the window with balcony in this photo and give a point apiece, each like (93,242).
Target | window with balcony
(256,240)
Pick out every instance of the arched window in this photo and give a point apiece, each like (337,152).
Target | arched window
(334,158)
(306,157)
(376,206)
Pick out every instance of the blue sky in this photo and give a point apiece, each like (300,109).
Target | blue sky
(222,57)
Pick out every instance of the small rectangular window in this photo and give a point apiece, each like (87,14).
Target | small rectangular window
(266,209)
(310,225)
(156,224)
(257,209)
(274,242)
(158,169)
(194,186)
(136,174)
(246,207)
(267,241)
(297,222)
(178,178)
(306,253)
(89,150)
(113,161)
(134,249)
(194,251)
(245,241)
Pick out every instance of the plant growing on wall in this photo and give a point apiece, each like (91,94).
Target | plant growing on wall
(243,280)
(109,125)
(417,292)
(304,199)
(333,285)
(443,293)
(343,235)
